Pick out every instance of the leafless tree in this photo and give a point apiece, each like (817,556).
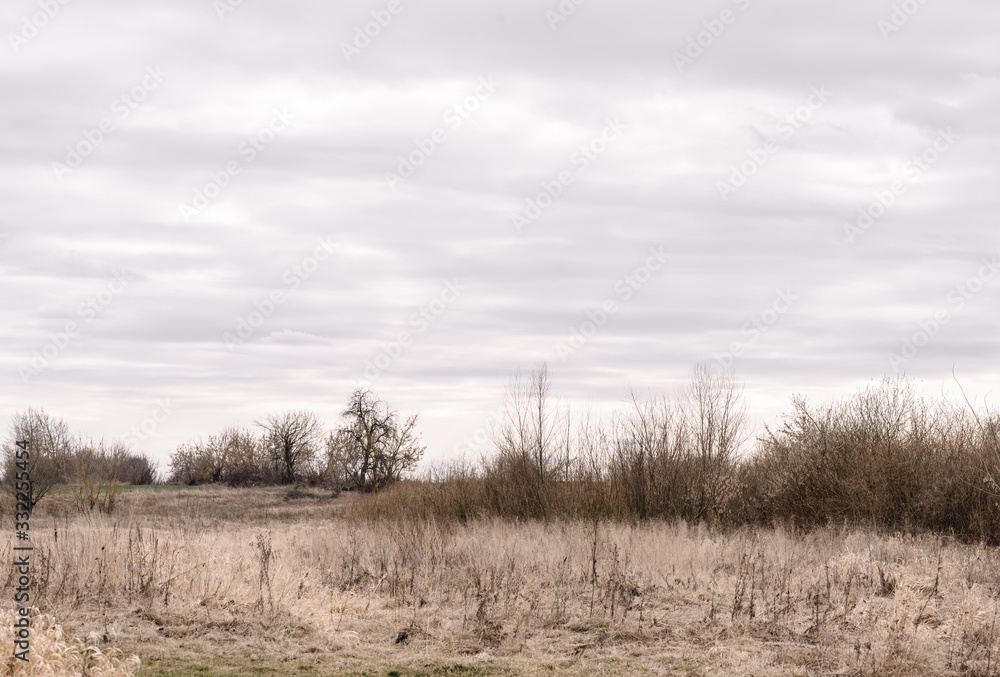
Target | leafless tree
(100,470)
(291,439)
(139,469)
(243,457)
(378,446)
(236,456)
(191,463)
(647,454)
(337,467)
(717,420)
(718,411)
(528,436)
(51,452)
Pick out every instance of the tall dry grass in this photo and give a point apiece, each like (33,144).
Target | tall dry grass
(751,601)
(52,654)
(856,538)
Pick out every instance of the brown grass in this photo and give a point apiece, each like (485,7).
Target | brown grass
(52,654)
(241,581)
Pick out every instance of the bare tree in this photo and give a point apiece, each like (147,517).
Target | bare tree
(291,439)
(337,462)
(243,457)
(51,452)
(528,435)
(235,456)
(647,455)
(378,447)
(717,420)
(138,469)
(402,453)
(189,464)
(99,470)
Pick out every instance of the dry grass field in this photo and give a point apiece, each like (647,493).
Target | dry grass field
(253,582)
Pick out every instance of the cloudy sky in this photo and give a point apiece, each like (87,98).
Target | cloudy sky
(211,210)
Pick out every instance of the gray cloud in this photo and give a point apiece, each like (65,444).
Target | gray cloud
(324,176)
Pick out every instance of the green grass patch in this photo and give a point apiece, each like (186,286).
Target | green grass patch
(168,668)
(442,671)
(70,488)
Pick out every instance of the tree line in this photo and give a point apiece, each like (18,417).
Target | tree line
(59,457)
(885,456)
(371,448)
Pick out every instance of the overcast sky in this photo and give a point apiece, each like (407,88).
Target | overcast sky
(213,210)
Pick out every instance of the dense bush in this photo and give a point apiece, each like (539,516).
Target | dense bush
(884,458)
(235,456)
